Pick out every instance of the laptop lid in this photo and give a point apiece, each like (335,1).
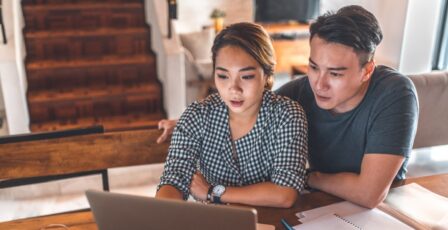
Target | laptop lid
(114,211)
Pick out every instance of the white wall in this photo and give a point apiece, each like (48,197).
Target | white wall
(194,14)
(419,36)
(12,72)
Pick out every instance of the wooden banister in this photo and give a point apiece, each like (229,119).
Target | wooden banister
(80,154)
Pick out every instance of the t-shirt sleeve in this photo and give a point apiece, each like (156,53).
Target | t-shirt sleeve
(183,152)
(292,148)
(394,125)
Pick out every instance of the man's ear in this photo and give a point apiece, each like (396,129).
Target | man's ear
(368,69)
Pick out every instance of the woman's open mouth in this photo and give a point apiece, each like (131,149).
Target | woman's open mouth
(236,103)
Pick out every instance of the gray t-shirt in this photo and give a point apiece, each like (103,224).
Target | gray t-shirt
(384,122)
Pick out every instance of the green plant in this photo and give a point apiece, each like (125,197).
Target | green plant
(216,13)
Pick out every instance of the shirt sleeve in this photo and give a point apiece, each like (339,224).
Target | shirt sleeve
(292,145)
(394,125)
(183,152)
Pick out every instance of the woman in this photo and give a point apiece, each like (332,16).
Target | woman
(244,144)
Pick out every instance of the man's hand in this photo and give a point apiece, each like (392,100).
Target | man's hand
(168,128)
(199,187)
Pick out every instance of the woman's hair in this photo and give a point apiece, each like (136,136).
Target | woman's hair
(253,39)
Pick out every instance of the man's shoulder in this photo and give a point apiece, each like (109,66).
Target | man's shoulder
(390,77)
(293,87)
(388,81)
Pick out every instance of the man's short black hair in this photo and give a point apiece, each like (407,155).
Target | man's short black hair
(352,26)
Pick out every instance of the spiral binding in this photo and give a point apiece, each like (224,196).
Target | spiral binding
(347,221)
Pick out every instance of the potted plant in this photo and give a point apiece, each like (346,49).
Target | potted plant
(218,19)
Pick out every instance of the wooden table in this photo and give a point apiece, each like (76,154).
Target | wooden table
(84,220)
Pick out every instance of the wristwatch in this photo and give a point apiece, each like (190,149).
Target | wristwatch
(217,192)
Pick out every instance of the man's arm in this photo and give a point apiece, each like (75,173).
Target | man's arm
(369,187)
(168,128)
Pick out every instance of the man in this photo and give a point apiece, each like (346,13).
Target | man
(362,118)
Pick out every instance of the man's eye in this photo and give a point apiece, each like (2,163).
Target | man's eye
(248,77)
(221,76)
(313,67)
(336,74)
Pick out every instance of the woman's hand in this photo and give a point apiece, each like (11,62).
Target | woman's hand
(168,128)
(199,187)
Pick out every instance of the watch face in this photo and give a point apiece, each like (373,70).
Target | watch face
(219,190)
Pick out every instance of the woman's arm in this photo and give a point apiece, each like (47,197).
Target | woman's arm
(261,194)
(169,192)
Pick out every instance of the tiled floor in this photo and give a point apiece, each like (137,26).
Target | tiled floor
(66,195)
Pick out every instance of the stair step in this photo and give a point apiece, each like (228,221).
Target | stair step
(60,2)
(113,123)
(89,62)
(110,70)
(84,16)
(95,102)
(74,44)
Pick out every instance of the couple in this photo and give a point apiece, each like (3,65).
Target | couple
(248,145)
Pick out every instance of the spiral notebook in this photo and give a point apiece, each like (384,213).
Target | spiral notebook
(332,221)
(365,219)
(354,215)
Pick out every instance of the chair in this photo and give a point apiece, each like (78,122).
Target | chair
(2,25)
(198,63)
(432,90)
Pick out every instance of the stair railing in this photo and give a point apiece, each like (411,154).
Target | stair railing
(2,24)
(172,14)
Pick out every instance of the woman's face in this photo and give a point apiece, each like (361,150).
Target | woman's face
(240,80)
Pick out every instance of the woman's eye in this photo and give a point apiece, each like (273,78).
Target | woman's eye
(221,76)
(248,77)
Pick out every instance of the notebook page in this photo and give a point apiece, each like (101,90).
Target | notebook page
(328,221)
(342,209)
(420,204)
(376,219)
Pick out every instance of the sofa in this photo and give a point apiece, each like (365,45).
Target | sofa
(432,90)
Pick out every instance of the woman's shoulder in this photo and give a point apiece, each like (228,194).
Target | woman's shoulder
(284,105)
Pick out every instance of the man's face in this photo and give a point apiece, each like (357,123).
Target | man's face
(337,80)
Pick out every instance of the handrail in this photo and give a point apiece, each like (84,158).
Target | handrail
(2,24)
(172,14)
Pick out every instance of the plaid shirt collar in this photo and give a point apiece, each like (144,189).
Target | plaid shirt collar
(221,116)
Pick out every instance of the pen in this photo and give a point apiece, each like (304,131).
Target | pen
(286,225)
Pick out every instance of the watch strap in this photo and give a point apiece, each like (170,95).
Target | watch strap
(209,194)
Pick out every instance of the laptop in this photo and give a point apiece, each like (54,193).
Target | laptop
(113,211)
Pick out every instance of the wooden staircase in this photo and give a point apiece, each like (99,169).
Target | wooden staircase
(90,62)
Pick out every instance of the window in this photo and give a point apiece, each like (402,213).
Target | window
(441,52)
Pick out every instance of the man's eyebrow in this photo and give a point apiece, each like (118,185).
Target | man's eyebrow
(330,68)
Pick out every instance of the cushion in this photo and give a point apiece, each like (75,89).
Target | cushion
(199,43)
(432,90)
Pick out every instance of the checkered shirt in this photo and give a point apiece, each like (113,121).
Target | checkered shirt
(275,150)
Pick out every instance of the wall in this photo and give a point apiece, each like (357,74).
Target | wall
(194,14)
(420,34)
(12,72)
